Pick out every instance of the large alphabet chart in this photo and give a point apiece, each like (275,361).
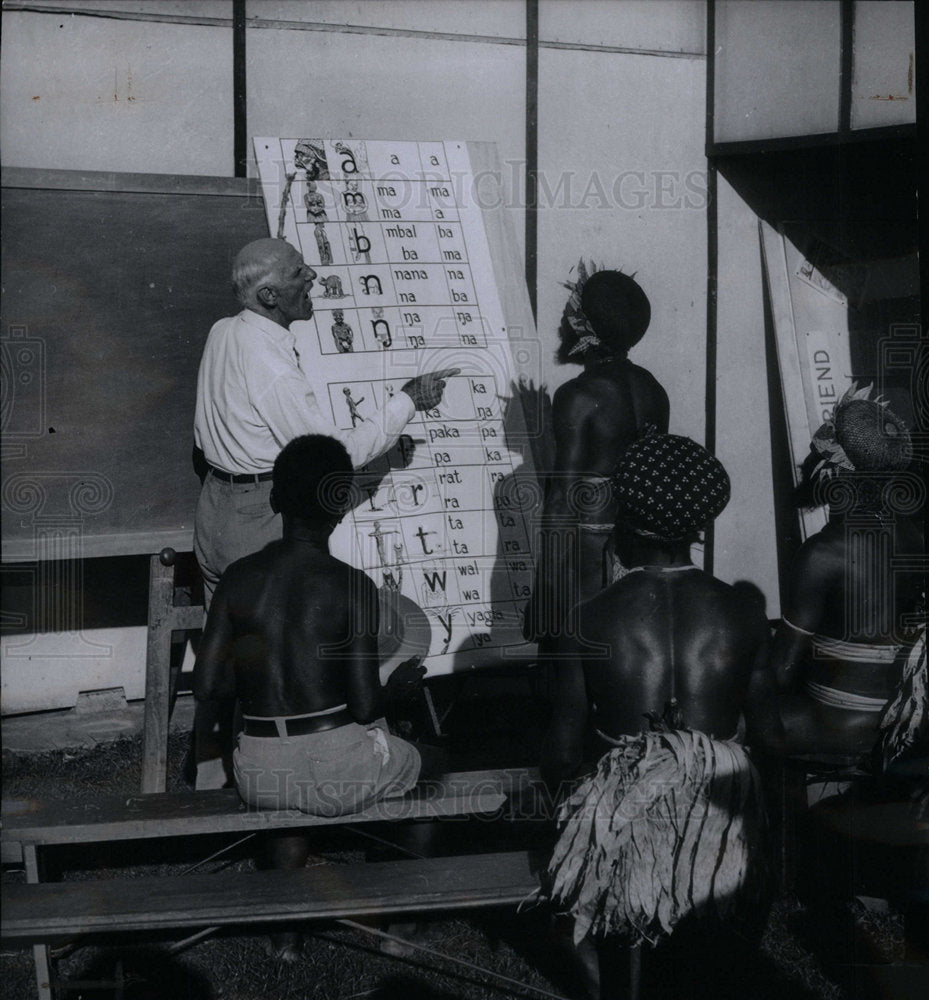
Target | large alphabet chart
(406,285)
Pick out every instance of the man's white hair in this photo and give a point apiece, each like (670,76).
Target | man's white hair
(255,264)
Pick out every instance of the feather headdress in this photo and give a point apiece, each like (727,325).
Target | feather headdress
(574,315)
(863,434)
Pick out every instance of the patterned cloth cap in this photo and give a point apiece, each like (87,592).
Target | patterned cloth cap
(864,435)
(873,436)
(668,486)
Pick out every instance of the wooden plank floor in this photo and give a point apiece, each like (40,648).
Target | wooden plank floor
(50,909)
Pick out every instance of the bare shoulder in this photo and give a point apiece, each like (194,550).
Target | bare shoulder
(650,393)
(702,602)
(643,377)
(242,580)
(248,570)
(740,605)
(698,582)
(747,604)
(624,601)
(822,555)
(577,388)
(575,399)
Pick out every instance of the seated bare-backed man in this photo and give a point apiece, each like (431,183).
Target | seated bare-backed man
(292,634)
(669,825)
(855,596)
(595,416)
(850,656)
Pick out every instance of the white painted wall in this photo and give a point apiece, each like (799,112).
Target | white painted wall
(778,65)
(636,25)
(495,18)
(370,86)
(49,671)
(884,63)
(745,542)
(777,68)
(90,93)
(623,182)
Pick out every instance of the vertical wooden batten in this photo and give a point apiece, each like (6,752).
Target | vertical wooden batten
(712,266)
(846,55)
(240,94)
(532,150)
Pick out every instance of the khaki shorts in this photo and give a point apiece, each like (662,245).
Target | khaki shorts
(331,773)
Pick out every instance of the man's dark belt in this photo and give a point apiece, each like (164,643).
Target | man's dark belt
(300,726)
(240,479)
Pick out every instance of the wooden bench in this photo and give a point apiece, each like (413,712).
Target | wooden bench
(31,823)
(39,911)
(48,910)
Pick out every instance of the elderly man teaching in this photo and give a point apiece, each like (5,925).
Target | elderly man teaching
(253,397)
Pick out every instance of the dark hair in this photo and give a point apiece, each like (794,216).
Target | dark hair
(616,308)
(313,479)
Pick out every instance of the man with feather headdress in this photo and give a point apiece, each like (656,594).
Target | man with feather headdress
(856,595)
(850,654)
(669,826)
(595,416)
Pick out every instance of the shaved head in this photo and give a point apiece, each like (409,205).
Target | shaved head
(258,263)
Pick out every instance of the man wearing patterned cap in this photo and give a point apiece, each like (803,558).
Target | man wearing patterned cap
(670,649)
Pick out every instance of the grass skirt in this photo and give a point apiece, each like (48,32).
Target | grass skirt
(905,723)
(670,824)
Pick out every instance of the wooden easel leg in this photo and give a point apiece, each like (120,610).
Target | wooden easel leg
(163,620)
(157,674)
(43,973)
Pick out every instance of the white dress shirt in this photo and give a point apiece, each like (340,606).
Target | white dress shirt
(252,398)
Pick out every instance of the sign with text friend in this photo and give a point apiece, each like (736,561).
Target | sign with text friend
(811,326)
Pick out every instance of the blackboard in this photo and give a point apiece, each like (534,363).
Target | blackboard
(111,283)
